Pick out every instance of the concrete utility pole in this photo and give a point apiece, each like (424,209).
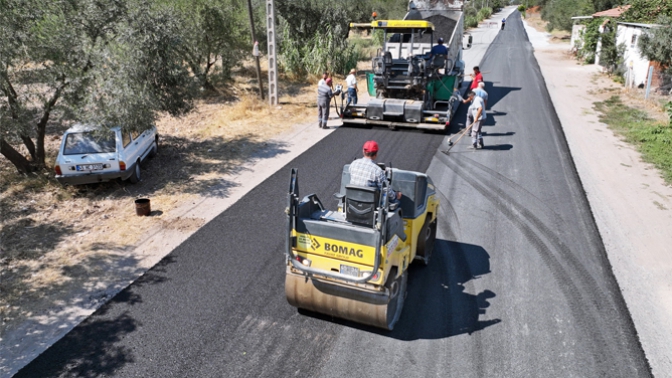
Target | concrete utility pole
(272,61)
(255,48)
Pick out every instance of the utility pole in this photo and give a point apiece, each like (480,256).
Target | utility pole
(255,48)
(272,61)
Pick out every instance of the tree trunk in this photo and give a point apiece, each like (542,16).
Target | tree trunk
(40,153)
(29,145)
(20,162)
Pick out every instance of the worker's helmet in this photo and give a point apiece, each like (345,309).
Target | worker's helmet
(328,81)
(440,40)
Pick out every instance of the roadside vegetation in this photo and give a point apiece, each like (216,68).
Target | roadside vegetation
(652,138)
(477,11)
(182,65)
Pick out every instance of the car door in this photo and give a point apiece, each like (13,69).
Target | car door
(130,148)
(142,142)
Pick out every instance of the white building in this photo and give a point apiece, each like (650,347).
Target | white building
(637,66)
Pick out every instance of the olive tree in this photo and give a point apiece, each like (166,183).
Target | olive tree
(110,62)
(213,31)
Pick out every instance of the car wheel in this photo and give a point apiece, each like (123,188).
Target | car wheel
(155,147)
(135,177)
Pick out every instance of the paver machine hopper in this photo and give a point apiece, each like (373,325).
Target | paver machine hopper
(408,85)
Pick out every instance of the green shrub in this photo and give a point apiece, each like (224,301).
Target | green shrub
(590,35)
(521,8)
(470,12)
(325,51)
(652,138)
(471,22)
(484,13)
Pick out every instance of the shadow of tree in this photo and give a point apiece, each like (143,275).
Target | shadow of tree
(91,350)
(94,348)
(180,162)
(17,242)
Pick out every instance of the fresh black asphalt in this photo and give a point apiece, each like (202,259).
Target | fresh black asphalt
(519,284)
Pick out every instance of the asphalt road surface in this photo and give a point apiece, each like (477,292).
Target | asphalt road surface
(519,285)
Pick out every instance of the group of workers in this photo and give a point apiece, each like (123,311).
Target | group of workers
(476,114)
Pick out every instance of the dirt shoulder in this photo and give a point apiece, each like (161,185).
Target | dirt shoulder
(631,203)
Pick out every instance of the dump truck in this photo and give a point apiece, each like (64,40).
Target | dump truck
(408,86)
(352,263)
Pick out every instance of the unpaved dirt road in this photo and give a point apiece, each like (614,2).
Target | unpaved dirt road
(631,203)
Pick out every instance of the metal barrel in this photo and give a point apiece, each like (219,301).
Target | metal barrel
(378,310)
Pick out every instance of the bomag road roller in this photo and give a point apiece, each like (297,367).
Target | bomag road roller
(352,263)
(408,85)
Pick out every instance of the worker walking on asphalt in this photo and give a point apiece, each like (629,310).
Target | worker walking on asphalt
(324,95)
(477,111)
(351,82)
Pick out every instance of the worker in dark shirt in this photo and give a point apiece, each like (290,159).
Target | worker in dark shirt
(439,49)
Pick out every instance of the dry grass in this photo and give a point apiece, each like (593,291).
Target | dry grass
(533,18)
(54,238)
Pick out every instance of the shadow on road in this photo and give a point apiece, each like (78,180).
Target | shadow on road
(94,348)
(437,305)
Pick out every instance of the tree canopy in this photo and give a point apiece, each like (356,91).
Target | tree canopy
(656,44)
(647,11)
(107,62)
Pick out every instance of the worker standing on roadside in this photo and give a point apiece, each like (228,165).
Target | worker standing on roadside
(476,78)
(351,82)
(324,95)
(325,75)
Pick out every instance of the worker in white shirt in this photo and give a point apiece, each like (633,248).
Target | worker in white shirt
(351,82)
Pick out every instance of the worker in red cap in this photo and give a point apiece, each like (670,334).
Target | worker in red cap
(324,95)
(365,171)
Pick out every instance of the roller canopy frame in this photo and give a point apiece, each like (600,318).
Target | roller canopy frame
(292,214)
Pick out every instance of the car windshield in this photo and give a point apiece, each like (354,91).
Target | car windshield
(89,143)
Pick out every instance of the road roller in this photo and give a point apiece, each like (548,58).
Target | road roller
(352,262)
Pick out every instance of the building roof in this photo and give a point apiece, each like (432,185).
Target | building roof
(615,12)
(648,26)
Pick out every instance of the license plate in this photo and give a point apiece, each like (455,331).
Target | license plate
(350,270)
(89,167)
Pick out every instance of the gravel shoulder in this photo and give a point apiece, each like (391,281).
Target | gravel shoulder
(631,203)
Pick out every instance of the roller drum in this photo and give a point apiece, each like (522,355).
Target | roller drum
(351,303)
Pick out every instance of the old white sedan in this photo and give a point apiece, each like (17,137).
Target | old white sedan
(91,154)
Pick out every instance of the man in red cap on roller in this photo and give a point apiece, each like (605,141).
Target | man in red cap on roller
(365,171)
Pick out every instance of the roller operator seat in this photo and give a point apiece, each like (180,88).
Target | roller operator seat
(360,204)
